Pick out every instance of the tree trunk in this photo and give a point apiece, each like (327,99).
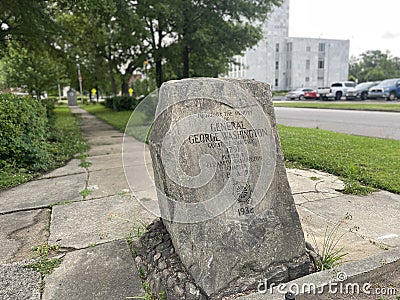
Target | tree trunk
(159,73)
(185,73)
(112,80)
(124,87)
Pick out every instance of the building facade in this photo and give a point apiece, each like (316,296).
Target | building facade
(292,62)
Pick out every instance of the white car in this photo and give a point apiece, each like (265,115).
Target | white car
(340,89)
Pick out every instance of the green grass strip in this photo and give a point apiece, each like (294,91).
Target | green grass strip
(390,107)
(372,161)
(118,119)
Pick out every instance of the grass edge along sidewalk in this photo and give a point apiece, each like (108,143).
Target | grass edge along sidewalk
(387,107)
(373,162)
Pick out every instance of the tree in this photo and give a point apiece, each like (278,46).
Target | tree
(104,34)
(214,31)
(26,20)
(37,71)
(200,37)
(110,39)
(373,65)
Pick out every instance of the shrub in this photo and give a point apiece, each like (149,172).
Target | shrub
(49,105)
(121,103)
(23,133)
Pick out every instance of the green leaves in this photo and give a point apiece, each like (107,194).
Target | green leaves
(374,65)
(29,144)
(24,133)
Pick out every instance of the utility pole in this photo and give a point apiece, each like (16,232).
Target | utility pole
(80,81)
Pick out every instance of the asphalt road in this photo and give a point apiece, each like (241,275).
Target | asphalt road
(366,123)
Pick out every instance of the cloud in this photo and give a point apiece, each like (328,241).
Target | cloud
(390,35)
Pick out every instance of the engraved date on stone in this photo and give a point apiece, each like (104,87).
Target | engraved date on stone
(246,210)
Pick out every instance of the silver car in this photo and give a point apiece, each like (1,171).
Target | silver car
(298,94)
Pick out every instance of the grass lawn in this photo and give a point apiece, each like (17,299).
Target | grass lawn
(66,140)
(118,119)
(371,161)
(393,107)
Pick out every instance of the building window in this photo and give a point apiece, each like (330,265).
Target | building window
(307,79)
(277,65)
(289,47)
(321,47)
(321,64)
(288,64)
(308,49)
(276,82)
(308,63)
(277,47)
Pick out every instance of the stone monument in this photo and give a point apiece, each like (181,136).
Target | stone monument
(72,98)
(222,187)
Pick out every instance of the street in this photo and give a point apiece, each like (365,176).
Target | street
(366,123)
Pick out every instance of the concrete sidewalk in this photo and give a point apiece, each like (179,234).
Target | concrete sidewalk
(93,231)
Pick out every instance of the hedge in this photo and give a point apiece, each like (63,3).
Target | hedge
(121,103)
(24,132)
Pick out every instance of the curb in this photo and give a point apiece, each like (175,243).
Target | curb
(352,272)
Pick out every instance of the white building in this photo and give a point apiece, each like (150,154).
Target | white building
(291,62)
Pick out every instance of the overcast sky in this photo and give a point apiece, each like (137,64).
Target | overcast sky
(368,24)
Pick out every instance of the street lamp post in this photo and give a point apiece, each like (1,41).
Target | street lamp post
(80,81)
(59,87)
(145,63)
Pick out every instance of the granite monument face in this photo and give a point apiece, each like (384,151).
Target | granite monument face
(72,98)
(222,187)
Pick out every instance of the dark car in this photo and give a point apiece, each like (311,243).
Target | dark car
(363,88)
(388,89)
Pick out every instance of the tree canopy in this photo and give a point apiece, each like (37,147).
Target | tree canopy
(374,65)
(110,39)
(27,21)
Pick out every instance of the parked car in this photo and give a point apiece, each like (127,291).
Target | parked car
(388,89)
(311,95)
(339,89)
(360,91)
(323,92)
(298,93)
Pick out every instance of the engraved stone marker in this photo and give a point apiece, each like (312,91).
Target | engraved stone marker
(221,184)
(72,98)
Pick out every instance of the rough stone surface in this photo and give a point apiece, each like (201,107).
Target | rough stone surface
(162,268)
(85,223)
(373,270)
(105,271)
(19,283)
(20,231)
(222,186)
